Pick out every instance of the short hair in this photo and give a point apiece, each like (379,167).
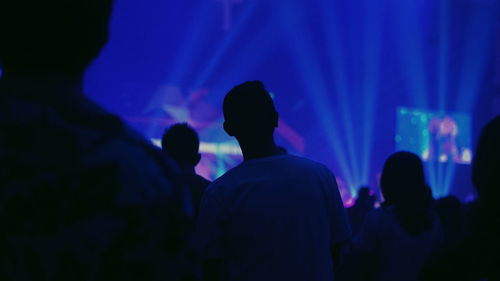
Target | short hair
(52,35)
(249,104)
(181,142)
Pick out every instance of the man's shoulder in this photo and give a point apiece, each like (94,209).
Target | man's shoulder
(288,162)
(305,161)
(144,172)
(228,179)
(116,140)
(307,165)
(224,179)
(197,181)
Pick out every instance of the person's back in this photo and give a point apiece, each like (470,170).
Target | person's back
(395,254)
(397,240)
(73,189)
(273,217)
(282,214)
(82,197)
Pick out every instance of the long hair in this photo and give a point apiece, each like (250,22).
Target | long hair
(403,186)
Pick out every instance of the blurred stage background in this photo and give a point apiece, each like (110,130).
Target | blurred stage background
(353,80)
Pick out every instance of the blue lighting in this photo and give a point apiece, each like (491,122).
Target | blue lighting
(341,73)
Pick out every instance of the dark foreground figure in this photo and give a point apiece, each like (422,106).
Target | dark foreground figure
(275,216)
(477,257)
(81,196)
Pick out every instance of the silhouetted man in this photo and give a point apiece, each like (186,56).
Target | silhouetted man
(275,216)
(82,197)
(181,142)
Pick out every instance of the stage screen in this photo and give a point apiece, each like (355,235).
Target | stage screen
(435,136)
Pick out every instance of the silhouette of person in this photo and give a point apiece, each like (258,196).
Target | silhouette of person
(452,215)
(363,205)
(82,197)
(476,256)
(395,241)
(181,142)
(274,216)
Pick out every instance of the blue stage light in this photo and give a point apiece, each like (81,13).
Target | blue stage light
(340,70)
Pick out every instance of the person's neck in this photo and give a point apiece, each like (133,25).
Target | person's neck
(252,150)
(186,168)
(43,81)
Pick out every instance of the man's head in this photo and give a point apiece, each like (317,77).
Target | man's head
(249,112)
(61,36)
(182,143)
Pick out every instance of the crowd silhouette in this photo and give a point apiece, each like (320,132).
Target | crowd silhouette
(83,197)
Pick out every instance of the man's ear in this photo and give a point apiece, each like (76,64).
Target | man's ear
(228,129)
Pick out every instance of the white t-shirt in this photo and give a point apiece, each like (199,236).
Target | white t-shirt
(274,218)
(400,255)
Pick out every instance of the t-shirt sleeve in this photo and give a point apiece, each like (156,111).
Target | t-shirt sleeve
(209,228)
(340,227)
